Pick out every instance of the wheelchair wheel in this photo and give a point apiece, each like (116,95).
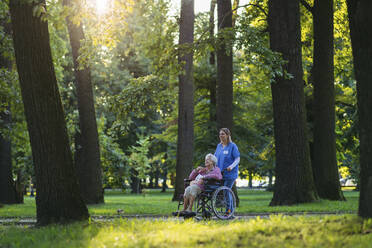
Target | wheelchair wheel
(203,207)
(223,203)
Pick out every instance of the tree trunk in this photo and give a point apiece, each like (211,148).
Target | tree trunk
(58,198)
(360,21)
(185,137)
(157,174)
(88,165)
(135,182)
(324,164)
(151,181)
(250,179)
(164,185)
(8,194)
(212,61)
(224,68)
(294,181)
(224,94)
(270,180)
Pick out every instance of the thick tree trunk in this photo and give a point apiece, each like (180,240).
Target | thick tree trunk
(88,162)
(185,137)
(294,181)
(224,68)
(58,198)
(360,21)
(324,164)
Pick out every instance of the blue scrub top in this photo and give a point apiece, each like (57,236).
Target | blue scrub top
(226,156)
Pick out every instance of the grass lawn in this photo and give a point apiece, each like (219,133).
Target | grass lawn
(155,203)
(276,231)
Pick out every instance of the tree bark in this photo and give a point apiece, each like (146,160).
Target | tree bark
(8,194)
(324,164)
(88,161)
(58,198)
(224,94)
(212,61)
(294,181)
(185,137)
(224,68)
(135,182)
(360,21)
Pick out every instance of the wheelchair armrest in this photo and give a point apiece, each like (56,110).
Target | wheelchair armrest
(212,181)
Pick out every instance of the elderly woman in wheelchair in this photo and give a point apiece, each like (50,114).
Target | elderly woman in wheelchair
(197,178)
(206,193)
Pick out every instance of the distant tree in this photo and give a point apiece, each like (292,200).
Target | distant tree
(58,198)
(294,181)
(325,170)
(361,39)
(324,161)
(8,193)
(87,156)
(224,66)
(224,95)
(185,137)
(212,61)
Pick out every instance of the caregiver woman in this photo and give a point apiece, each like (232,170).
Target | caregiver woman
(228,158)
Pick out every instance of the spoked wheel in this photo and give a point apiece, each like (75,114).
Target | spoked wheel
(223,203)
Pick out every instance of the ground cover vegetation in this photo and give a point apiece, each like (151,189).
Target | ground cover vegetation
(278,231)
(143,94)
(155,203)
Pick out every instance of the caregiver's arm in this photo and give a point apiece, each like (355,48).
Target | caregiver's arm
(235,163)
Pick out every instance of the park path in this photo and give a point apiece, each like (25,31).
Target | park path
(11,221)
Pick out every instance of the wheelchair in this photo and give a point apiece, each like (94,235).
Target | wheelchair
(216,199)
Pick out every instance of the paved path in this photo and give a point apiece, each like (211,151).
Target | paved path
(32,221)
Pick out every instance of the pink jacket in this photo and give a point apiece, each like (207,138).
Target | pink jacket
(215,173)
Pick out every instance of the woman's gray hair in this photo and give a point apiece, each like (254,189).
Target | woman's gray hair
(212,158)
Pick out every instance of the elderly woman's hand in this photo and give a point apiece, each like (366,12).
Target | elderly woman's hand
(200,169)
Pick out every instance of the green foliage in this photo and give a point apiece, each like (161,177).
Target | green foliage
(113,160)
(252,40)
(11,103)
(276,231)
(132,52)
(146,96)
(138,158)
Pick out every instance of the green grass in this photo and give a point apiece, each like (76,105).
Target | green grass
(156,203)
(277,231)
